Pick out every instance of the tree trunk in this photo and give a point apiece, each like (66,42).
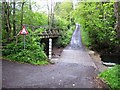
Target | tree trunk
(48,14)
(4,36)
(6,19)
(22,14)
(3,15)
(117,15)
(30,7)
(14,27)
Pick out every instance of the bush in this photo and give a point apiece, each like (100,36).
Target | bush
(64,40)
(85,38)
(112,77)
(33,52)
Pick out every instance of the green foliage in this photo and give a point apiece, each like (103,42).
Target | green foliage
(64,40)
(27,56)
(29,18)
(63,21)
(39,19)
(63,9)
(85,38)
(111,76)
(13,50)
(97,20)
(33,53)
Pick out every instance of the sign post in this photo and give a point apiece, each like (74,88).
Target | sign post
(24,41)
(24,32)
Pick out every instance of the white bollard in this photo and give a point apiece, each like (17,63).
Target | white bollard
(50,48)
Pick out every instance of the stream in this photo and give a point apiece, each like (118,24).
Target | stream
(111,58)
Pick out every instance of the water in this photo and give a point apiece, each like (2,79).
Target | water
(111,58)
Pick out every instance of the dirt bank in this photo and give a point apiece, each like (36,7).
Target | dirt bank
(97,60)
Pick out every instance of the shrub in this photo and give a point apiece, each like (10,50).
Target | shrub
(33,52)
(27,56)
(64,40)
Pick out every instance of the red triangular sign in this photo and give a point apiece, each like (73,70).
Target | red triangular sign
(23,31)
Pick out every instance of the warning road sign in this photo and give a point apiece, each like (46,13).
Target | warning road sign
(23,31)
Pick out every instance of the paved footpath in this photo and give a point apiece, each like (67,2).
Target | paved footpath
(60,75)
(74,69)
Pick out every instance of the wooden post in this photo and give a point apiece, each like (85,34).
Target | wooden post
(50,48)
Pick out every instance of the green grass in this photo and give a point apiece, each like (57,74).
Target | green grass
(112,77)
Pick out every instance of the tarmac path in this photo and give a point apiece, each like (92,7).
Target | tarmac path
(74,69)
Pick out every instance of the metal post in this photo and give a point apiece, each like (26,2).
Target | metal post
(50,48)
(24,42)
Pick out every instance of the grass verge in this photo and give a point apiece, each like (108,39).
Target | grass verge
(112,77)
